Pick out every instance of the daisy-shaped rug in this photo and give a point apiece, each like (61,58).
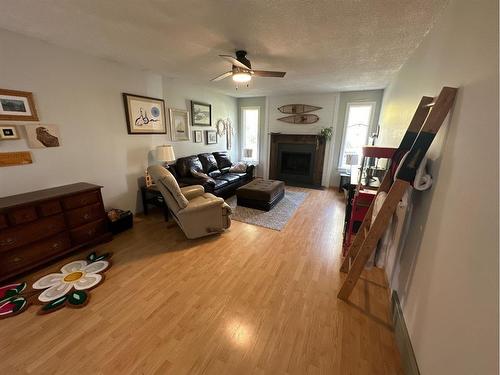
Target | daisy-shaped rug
(70,286)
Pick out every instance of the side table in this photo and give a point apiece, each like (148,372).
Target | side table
(344,179)
(151,195)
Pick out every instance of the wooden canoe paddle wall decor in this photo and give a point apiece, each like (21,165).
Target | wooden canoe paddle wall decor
(306,118)
(299,113)
(292,109)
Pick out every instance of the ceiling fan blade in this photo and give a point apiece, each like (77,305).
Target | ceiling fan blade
(222,76)
(267,73)
(235,62)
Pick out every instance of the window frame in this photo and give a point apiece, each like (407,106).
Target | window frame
(255,158)
(346,117)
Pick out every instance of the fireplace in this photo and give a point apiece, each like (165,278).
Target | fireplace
(297,159)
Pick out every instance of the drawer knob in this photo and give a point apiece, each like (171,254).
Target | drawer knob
(86,216)
(90,232)
(55,245)
(16,259)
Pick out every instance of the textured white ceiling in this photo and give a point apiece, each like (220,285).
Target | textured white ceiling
(323,45)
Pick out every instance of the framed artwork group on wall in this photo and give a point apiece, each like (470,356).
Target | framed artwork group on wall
(17,106)
(8,132)
(201,114)
(180,130)
(198,136)
(42,136)
(144,115)
(211,137)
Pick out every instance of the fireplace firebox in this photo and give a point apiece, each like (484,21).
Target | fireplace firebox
(296,163)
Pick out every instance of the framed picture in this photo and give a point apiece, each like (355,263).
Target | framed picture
(8,132)
(211,137)
(198,136)
(201,114)
(180,130)
(42,136)
(144,115)
(17,106)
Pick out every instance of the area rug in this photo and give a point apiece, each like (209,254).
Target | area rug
(275,219)
(70,287)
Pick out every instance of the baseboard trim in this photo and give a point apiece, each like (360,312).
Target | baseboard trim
(408,360)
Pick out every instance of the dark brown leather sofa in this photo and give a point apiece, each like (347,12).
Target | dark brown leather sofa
(211,170)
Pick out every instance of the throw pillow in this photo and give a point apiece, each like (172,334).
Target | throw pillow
(223,159)
(209,163)
(240,167)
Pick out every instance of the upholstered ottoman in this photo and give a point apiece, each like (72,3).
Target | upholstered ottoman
(260,194)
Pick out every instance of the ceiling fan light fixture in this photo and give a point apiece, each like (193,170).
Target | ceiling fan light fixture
(242,77)
(242,71)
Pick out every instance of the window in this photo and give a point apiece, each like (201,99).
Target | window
(356,130)
(250,133)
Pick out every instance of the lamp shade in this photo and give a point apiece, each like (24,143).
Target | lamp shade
(247,153)
(352,159)
(165,153)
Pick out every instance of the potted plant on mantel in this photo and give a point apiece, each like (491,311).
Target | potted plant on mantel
(326,133)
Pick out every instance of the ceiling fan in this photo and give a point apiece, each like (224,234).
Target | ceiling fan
(242,69)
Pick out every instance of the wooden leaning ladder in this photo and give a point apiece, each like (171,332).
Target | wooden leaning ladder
(424,125)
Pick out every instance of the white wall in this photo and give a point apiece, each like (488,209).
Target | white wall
(448,278)
(327,119)
(82,94)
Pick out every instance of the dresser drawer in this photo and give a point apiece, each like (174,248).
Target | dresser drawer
(3,221)
(22,215)
(49,208)
(81,200)
(20,235)
(24,257)
(84,215)
(88,232)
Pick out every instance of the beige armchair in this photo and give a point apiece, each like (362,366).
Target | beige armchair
(197,213)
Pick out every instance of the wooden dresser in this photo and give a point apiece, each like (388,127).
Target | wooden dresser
(40,226)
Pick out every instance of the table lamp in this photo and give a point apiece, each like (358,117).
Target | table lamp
(247,153)
(165,153)
(351,160)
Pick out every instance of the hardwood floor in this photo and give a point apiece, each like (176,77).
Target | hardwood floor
(250,301)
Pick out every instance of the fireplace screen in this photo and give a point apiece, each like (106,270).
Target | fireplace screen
(296,163)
